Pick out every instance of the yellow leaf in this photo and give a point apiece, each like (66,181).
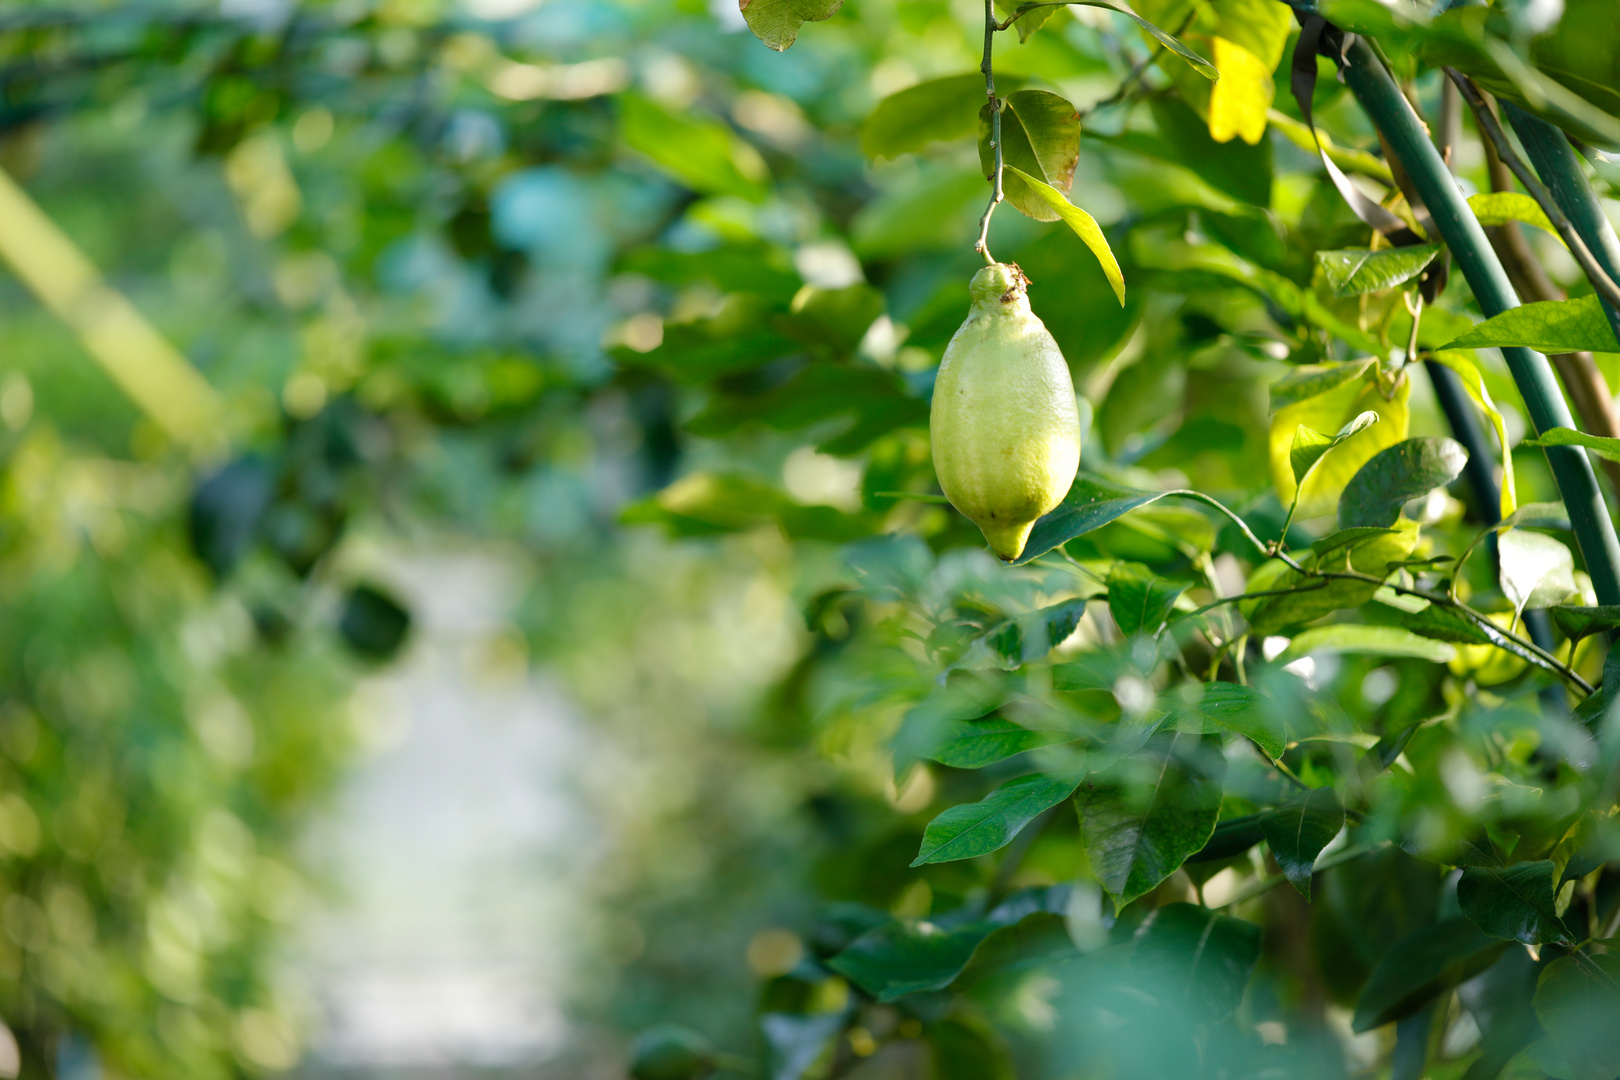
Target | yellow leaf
(1330,412)
(1238,103)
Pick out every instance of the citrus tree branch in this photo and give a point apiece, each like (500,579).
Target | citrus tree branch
(990,28)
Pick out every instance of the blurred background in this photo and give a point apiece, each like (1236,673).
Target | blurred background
(449,624)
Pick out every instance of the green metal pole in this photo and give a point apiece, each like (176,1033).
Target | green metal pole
(1407,139)
(1555,162)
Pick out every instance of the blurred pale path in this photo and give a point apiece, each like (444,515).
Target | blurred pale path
(459,849)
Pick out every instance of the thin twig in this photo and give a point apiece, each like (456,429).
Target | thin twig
(990,28)
(1269,882)
(1601,281)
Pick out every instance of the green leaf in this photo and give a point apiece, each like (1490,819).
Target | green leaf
(896,959)
(936,110)
(1298,830)
(1027,637)
(1138,834)
(1363,640)
(1549,326)
(1233,168)
(1330,411)
(777,22)
(1311,445)
(1354,271)
(1444,624)
(1474,382)
(1419,967)
(1578,622)
(1195,961)
(1513,902)
(1084,226)
(973,744)
(974,829)
(1405,471)
(703,154)
(1577,1001)
(1537,571)
(1091,503)
(1502,207)
(1209,708)
(1562,436)
(1138,600)
(1232,836)
(1040,137)
(1313,598)
(1352,539)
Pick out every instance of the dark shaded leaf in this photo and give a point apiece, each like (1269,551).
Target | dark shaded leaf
(1394,476)
(1137,835)
(1443,624)
(1513,902)
(1298,830)
(1578,622)
(1420,966)
(974,829)
(1197,961)
(1578,1002)
(1232,836)
(897,958)
(1235,167)
(1355,271)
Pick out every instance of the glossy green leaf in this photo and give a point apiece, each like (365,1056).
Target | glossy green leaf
(1139,600)
(705,155)
(1232,836)
(1502,207)
(1559,436)
(1040,137)
(1537,571)
(974,829)
(1298,830)
(1405,471)
(1091,503)
(899,958)
(1444,624)
(777,22)
(1346,540)
(1196,961)
(1549,326)
(1362,640)
(1310,445)
(973,744)
(1355,271)
(1577,1001)
(1214,707)
(1138,833)
(1420,966)
(936,110)
(1311,380)
(1513,902)
(1084,226)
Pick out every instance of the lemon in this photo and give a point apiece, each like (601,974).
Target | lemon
(1004,427)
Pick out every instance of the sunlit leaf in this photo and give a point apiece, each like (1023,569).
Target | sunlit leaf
(1213,707)
(705,155)
(777,22)
(1600,445)
(1084,226)
(1405,471)
(974,829)
(1537,571)
(1549,326)
(1502,207)
(1139,600)
(1040,137)
(1367,641)
(1357,271)
(1239,101)
(1310,445)
(1331,411)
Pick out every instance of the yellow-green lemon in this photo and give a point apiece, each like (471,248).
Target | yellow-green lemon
(1004,427)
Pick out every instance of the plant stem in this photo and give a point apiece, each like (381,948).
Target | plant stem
(1560,170)
(1265,884)
(1601,281)
(1543,398)
(990,28)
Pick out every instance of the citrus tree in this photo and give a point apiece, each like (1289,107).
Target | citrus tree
(1277,744)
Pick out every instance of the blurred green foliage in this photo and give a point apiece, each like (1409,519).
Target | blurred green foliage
(618,287)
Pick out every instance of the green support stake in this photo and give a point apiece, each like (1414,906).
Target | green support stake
(1543,399)
(1555,162)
